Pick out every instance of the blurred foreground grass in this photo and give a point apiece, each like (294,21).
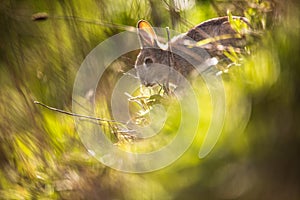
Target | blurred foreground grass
(42,157)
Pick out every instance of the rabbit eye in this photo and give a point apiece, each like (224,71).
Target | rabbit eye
(148,61)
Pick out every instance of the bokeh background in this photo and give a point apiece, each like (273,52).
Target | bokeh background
(42,45)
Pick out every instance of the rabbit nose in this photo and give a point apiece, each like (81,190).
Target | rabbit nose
(149,84)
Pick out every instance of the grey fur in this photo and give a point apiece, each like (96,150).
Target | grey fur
(159,63)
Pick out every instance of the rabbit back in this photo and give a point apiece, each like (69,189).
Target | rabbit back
(183,53)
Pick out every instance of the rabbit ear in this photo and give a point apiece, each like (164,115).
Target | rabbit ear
(146,34)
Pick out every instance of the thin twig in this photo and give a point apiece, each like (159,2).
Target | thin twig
(170,58)
(75,114)
(41,16)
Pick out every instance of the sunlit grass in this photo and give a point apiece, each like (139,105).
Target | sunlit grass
(41,155)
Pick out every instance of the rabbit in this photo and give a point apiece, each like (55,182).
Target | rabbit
(159,63)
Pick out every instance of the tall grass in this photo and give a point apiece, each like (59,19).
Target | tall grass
(42,156)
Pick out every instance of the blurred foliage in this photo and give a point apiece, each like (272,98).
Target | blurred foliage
(41,155)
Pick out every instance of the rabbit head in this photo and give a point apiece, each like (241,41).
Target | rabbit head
(159,63)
